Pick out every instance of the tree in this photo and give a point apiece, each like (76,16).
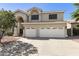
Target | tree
(76,4)
(7,20)
(75,14)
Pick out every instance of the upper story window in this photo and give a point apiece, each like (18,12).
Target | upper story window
(34,17)
(52,16)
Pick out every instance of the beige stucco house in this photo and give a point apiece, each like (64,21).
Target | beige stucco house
(38,23)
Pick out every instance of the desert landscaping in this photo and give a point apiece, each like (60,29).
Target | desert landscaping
(38,47)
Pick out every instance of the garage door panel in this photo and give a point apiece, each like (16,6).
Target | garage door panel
(30,32)
(45,33)
(51,32)
(58,33)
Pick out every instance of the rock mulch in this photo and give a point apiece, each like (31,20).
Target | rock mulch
(17,48)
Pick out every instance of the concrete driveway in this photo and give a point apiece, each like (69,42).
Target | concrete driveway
(54,47)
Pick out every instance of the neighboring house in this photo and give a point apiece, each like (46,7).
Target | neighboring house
(73,28)
(38,23)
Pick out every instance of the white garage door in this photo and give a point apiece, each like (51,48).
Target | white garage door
(56,32)
(30,32)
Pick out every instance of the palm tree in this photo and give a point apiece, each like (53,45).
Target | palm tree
(75,15)
(76,4)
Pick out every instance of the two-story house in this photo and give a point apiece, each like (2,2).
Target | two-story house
(38,23)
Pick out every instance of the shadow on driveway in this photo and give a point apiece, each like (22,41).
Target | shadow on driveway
(46,38)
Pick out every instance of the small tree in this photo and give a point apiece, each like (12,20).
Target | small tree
(7,20)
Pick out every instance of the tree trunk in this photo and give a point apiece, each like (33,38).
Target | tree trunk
(1,35)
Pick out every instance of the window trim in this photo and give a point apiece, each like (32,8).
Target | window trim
(52,16)
(35,18)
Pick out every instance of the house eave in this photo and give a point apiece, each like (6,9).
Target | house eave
(44,23)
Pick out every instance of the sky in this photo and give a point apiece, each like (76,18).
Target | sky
(68,8)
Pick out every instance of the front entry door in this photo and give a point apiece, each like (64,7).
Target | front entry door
(21,32)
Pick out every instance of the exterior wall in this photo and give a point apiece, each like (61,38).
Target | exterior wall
(65,32)
(34,20)
(68,26)
(46,30)
(60,16)
(43,22)
(24,16)
(34,11)
(45,17)
(15,32)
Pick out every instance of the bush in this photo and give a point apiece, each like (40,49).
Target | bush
(76,31)
(9,33)
(69,32)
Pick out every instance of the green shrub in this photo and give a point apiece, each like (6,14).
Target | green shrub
(69,32)
(75,31)
(9,33)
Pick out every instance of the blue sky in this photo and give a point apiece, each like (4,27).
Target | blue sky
(68,8)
